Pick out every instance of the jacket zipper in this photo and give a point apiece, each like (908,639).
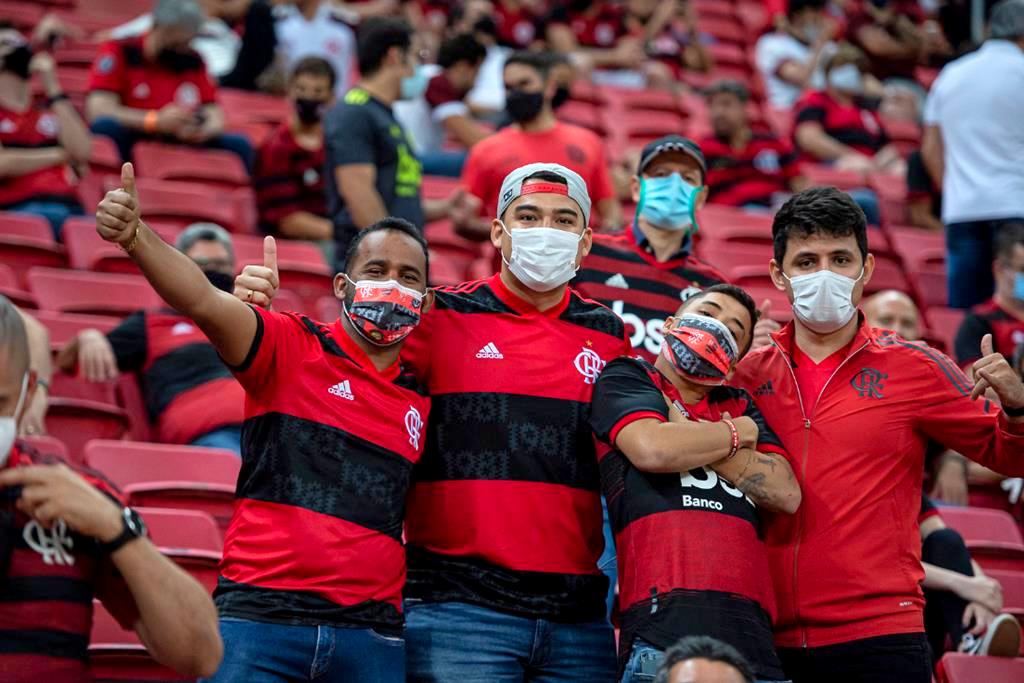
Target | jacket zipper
(803,466)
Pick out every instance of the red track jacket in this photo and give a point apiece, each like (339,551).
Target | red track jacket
(847,565)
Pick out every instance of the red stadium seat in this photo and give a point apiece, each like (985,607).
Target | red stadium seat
(780,120)
(10,288)
(729,255)
(168,476)
(94,293)
(328,308)
(943,324)
(64,326)
(213,167)
(931,285)
(731,224)
(300,264)
(27,241)
(190,538)
(241,106)
(88,251)
(78,421)
(729,53)
(641,126)
(47,444)
(104,157)
(956,667)
(826,175)
(992,536)
(117,654)
(888,275)
(727,30)
(646,100)
(1013,591)
(438,187)
(448,268)
(178,204)
(582,114)
(23,15)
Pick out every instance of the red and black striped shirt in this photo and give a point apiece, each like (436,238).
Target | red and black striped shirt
(849,124)
(34,128)
(327,453)
(288,178)
(751,175)
(690,552)
(626,278)
(505,510)
(987,318)
(47,591)
(188,390)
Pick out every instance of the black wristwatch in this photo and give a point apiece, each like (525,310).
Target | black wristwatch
(1013,412)
(133,527)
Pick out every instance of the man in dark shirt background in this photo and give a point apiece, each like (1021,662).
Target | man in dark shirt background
(924,200)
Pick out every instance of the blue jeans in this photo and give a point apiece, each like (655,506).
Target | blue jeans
(225,437)
(454,642)
(867,200)
(125,139)
(54,212)
(443,162)
(257,652)
(608,563)
(970,251)
(644,661)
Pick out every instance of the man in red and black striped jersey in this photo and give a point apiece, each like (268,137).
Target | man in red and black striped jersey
(289,167)
(66,539)
(746,168)
(313,563)
(191,396)
(1002,316)
(504,519)
(691,558)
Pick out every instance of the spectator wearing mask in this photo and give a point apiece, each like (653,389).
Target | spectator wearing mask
(478,17)
(518,22)
(828,380)
(441,112)
(699,659)
(42,148)
(1002,316)
(80,543)
(333,427)
(973,143)
(924,196)
(664,419)
(155,86)
(790,58)
(535,136)
(678,43)
(889,32)
(745,168)
(289,168)
(317,28)
(190,395)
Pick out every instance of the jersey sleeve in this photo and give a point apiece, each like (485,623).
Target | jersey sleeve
(601,187)
(276,184)
(809,110)
(128,340)
(474,177)
(919,185)
(623,394)
(272,347)
(351,136)
(108,69)
(789,161)
(767,440)
(978,429)
(967,345)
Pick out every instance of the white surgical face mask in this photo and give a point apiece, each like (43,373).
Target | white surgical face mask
(823,300)
(847,79)
(542,258)
(9,425)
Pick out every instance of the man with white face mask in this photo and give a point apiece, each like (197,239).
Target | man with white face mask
(854,407)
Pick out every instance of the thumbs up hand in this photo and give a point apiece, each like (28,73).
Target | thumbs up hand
(118,214)
(765,327)
(993,371)
(258,285)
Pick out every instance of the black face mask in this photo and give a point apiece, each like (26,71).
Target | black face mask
(176,61)
(561,96)
(309,111)
(17,61)
(225,282)
(523,106)
(486,25)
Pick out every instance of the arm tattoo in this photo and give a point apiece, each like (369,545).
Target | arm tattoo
(753,486)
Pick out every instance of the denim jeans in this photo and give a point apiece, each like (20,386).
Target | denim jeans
(54,212)
(970,250)
(643,663)
(608,563)
(867,200)
(257,652)
(454,642)
(226,437)
(125,139)
(443,162)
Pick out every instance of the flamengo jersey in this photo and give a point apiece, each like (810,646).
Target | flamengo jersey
(690,553)
(34,129)
(47,591)
(505,510)
(327,452)
(987,318)
(625,278)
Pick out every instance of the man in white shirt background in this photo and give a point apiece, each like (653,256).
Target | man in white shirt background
(790,59)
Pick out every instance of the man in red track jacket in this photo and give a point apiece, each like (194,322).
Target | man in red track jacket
(854,407)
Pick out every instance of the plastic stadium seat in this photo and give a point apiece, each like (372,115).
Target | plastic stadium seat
(64,326)
(328,308)
(190,538)
(27,241)
(178,204)
(116,654)
(825,175)
(992,536)
(10,288)
(47,444)
(960,668)
(250,107)
(943,324)
(732,224)
(168,476)
(86,250)
(447,268)
(646,100)
(918,248)
(300,264)
(724,29)
(214,167)
(104,157)
(582,114)
(729,53)
(81,410)
(888,275)
(642,126)
(480,269)
(931,284)
(780,120)
(74,291)
(437,187)
(23,15)
(1013,590)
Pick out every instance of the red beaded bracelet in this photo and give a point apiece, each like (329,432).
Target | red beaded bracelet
(735,436)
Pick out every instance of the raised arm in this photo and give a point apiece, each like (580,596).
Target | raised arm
(229,323)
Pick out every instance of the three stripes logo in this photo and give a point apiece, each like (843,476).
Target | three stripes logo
(489,351)
(342,390)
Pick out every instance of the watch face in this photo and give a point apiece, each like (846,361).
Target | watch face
(134,522)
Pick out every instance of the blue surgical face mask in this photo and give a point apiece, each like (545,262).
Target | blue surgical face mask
(1018,286)
(668,203)
(414,86)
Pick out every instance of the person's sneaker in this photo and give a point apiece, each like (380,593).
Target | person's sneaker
(1002,639)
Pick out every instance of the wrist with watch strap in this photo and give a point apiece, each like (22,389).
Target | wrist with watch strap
(132,527)
(1014,412)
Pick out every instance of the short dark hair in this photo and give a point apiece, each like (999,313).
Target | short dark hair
(546,176)
(1009,236)
(538,61)
(794,7)
(703,647)
(13,336)
(728,86)
(461,48)
(378,35)
(819,210)
(317,67)
(389,223)
(737,293)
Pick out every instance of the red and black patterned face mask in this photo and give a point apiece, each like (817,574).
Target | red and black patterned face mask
(701,349)
(382,312)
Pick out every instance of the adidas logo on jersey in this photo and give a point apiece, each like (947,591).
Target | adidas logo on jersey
(617,280)
(343,390)
(489,351)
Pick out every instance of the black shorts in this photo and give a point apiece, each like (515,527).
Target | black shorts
(900,658)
